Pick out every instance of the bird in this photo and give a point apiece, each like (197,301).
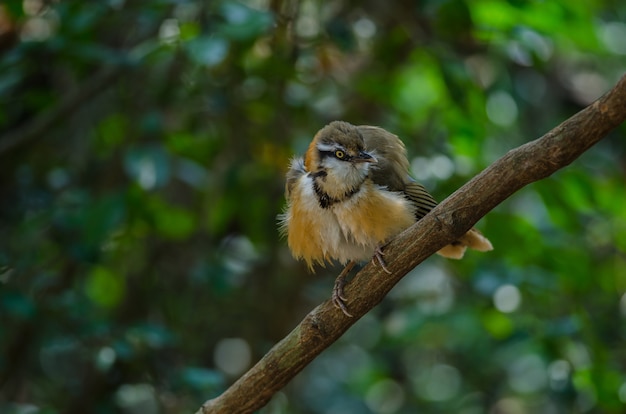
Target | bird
(349,195)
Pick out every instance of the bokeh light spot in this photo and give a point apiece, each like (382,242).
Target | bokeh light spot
(232,356)
(507,298)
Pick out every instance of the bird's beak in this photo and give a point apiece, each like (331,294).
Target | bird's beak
(364,157)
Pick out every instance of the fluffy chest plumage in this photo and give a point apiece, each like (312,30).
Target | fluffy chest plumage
(346,228)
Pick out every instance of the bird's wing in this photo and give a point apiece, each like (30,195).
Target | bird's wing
(392,168)
(422,199)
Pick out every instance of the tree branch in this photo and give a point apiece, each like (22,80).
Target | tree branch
(450,219)
(66,106)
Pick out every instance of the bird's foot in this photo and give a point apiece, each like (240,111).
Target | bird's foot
(338,297)
(378,256)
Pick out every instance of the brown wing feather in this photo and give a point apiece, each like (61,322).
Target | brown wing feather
(422,199)
(392,169)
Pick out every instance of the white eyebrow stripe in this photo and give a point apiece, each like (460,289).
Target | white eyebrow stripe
(325,147)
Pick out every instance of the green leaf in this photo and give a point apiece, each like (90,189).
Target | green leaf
(418,90)
(175,223)
(189,31)
(15,8)
(497,324)
(171,221)
(112,130)
(104,287)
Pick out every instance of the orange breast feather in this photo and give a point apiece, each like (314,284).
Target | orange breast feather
(375,216)
(304,238)
(349,230)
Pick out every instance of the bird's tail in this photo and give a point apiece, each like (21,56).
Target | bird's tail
(472,239)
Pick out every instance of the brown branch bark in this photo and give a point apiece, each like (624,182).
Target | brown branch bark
(453,217)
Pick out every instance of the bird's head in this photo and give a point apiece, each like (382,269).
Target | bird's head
(338,157)
(338,148)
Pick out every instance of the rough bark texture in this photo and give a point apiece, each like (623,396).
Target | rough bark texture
(453,217)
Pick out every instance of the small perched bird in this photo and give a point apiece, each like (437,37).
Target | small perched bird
(352,193)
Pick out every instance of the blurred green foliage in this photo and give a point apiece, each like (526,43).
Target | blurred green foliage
(143,146)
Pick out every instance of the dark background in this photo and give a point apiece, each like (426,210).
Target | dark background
(143,146)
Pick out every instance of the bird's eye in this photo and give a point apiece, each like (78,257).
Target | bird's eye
(340,154)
